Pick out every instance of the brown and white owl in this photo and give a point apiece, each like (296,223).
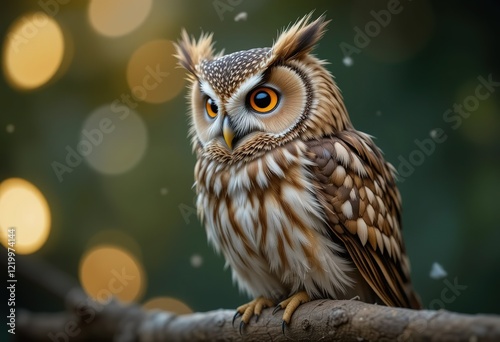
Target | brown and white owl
(301,204)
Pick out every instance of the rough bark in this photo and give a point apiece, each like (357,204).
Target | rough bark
(326,320)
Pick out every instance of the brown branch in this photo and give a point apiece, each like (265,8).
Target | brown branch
(327,320)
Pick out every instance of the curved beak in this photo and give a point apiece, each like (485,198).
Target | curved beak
(227,132)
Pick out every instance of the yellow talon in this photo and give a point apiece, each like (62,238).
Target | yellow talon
(292,303)
(254,307)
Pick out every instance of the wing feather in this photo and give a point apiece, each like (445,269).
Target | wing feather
(363,209)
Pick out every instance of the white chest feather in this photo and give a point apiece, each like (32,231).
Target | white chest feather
(263,216)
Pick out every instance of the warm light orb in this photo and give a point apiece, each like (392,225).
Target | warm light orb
(117,238)
(114,139)
(168,304)
(152,72)
(33,51)
(107,271)
(23,207)
(116,18)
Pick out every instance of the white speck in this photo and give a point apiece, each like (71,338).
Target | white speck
(378,113)
(10,128)
(196,260)
(437,271)
(241,16)
(163,191)
(347,61)
(433,133)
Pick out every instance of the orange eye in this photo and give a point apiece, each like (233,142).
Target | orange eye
(263,100)
(211,108)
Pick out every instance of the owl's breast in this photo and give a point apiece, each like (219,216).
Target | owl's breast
(264,217)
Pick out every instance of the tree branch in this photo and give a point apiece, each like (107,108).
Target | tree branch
(327,320)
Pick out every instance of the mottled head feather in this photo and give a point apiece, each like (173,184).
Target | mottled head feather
(227,72)
(191,52)
(298,40)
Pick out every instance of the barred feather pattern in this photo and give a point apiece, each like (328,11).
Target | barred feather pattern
(264,217)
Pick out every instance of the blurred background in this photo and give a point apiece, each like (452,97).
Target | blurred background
(96,168)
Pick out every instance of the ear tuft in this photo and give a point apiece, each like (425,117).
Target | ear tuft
(191,52)
(299,39)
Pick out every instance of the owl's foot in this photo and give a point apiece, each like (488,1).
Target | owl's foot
(253,308)
(290,305)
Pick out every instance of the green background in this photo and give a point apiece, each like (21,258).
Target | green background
(428,58)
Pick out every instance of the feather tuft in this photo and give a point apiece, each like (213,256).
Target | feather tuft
(298,40)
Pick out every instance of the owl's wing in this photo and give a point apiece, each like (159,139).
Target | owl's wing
(362,206)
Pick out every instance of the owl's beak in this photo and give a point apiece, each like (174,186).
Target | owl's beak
(227,132)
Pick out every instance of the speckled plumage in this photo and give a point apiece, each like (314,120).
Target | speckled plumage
(296,199)
(224,74)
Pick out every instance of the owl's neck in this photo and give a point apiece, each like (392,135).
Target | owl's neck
(329,114)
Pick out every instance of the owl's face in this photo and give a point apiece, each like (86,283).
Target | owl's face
(255,100)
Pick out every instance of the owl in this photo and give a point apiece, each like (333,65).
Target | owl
(301,204)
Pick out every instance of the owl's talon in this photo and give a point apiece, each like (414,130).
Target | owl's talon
(257,318)
(236,315)
(254,308)
(277,308)
(283,326)
(292,303)
(242,325)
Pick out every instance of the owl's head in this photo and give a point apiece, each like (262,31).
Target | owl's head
(249,102)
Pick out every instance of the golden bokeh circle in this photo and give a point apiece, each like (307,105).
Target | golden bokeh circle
(33,51)
(168,304)
(116,18)
(117,238)
(114,139)
(152,72)
(108,271)
(23,207)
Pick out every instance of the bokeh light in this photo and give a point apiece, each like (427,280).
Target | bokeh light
(196,260)
(152,72)
(117,238)
(116,18)
(10,128)
(168,304)
(114,139)
(480,122)
(33,51)
(23,207)
(107,271)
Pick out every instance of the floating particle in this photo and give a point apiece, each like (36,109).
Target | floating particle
(242,16)
(437,271)
(347,61)
(433,133)
(196,260)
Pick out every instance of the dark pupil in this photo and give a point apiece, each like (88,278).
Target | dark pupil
(213,106)
(262,99)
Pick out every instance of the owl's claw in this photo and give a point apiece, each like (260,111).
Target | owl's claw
(236,315)
(254,308)
(283,326)
(242,325)
(290,305)
(277,308)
